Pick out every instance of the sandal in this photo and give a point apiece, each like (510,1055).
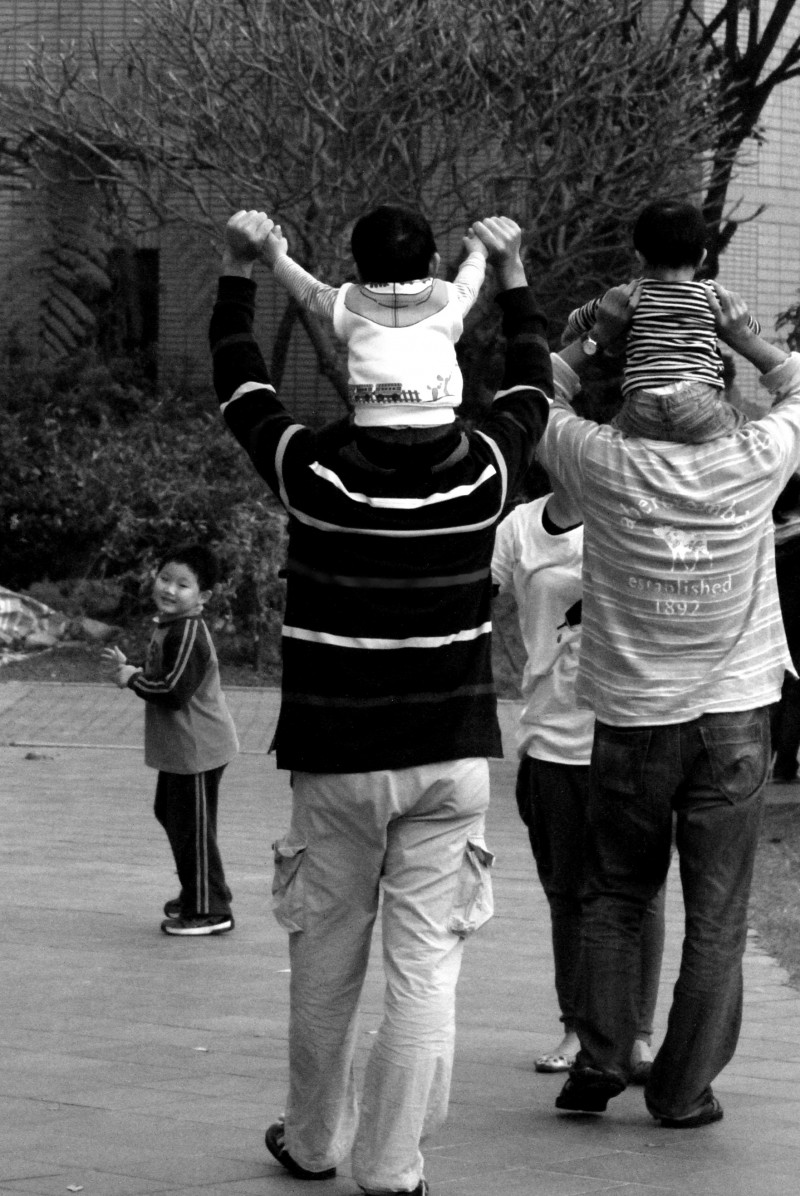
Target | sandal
(552,1063)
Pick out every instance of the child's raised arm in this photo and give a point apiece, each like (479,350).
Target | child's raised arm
(315,296)
(472,271)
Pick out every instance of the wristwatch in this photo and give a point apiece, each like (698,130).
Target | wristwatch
(589,345)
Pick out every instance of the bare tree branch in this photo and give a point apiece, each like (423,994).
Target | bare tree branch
(566,114)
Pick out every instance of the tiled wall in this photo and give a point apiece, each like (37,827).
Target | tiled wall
(763,259)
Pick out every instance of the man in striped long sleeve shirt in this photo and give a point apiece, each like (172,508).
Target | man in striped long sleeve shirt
(683,653)
(388,713)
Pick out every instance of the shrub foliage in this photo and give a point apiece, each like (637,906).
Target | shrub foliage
(101,472)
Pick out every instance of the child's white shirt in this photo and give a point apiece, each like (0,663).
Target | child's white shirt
(396,333)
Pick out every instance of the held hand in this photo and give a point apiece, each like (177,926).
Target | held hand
(274,246)
(730,312)
(245,235)
(501,237)
(473,244)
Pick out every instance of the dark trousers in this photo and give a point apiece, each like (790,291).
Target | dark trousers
(711,772)
(552,800)
(186,807)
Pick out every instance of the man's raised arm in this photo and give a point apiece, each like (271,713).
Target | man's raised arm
(527,359)
(247,398)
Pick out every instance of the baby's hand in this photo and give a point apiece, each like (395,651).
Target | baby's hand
(472,243)
(500,236)
(275,245)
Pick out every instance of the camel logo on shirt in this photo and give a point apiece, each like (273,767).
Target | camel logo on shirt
(687,548)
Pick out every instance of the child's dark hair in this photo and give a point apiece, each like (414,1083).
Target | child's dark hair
(198,558)
(670,232)
(392,244)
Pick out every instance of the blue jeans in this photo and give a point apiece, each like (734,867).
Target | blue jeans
(711,772)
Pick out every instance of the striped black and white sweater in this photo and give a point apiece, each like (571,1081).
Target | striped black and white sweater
(387,631)
(672,338)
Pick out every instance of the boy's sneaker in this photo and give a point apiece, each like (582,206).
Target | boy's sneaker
(208,924)
(172,909)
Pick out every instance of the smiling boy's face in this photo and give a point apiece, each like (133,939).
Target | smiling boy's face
(176,590)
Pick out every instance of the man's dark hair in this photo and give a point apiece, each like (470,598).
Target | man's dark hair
(670,232)
(392,244)
(198,558)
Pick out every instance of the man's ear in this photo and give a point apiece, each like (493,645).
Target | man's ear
(703,257)
(205,596)
(433,265)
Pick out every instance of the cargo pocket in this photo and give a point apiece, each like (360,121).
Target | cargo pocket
(287,885)
(473,904)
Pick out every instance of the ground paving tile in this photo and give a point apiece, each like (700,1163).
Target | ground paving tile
(131,1063)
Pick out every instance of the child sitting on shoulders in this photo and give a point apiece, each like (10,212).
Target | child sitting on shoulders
(189,736)
(400,322)
(673,381)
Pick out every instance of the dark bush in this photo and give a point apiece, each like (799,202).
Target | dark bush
(100,473)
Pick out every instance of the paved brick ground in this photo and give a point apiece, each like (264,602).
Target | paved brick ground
(134,1063)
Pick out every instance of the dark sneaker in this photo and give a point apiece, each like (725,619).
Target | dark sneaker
(588,1091)
(275,1145)
(172,909)
(210,924)
(709,1112)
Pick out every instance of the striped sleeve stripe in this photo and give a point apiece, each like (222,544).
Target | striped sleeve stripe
(386,583)
(403,504)
(512,390)
(500,461)
(380,645)
(392,533)
(280,453)
(166,684)
(244,389)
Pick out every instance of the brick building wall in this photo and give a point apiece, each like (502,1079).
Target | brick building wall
(186,271)
(762,262)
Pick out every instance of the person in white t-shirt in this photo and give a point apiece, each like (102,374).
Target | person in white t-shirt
(538,557)
(399,321)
